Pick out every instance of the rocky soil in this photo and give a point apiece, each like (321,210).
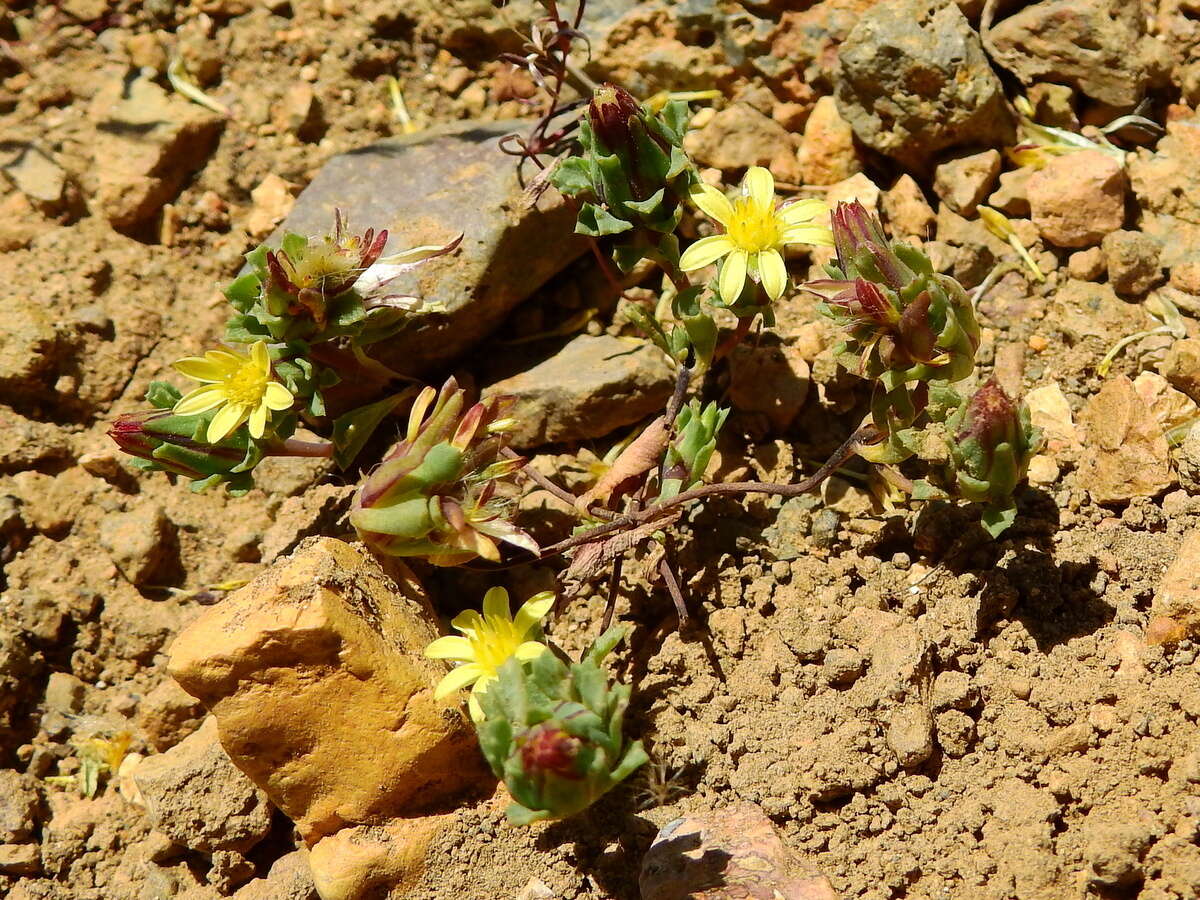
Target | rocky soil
(872,693)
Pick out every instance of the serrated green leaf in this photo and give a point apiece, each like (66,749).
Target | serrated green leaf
(595,221)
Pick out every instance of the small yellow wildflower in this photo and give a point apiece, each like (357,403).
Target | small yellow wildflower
(756,230)
(490,639)
(240,385)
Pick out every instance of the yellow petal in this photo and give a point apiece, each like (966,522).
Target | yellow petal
(450,647)
(276,396)
(202,399)
(476,710)
(712,202)
(759,185)
(802,211)
(705,252)
(530,650)
(533,611)
(733,276)
(258,421)
(226,359)
(260,356)
(457,679)
(818,235)
(468,622)
(199,368)
(495,604)
(773,273)
(226,421)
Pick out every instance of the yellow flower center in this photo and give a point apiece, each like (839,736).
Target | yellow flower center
(321,261)
(246,385)
(754,228)
(495,642)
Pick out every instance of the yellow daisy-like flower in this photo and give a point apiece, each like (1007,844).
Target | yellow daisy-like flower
(489,640)
(756,229)
(240,385)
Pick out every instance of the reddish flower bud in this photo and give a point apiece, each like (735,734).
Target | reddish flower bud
(610,113)
(547,749)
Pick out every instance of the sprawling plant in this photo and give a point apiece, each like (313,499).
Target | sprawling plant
(306,313)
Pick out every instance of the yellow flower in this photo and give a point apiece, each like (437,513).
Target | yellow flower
(489,641)
(240,385)
(755,231)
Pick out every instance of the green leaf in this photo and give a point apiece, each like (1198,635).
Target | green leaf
(352,430)
(572,177)
(996,519)
(243,292)
(294,245)
(245,330)
(161,395)
(604,644)
(595,221)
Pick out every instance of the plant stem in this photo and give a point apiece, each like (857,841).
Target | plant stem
(864,435)
(313,449)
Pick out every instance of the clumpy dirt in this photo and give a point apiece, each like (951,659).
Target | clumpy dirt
(923,713)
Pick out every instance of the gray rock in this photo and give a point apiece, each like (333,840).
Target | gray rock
(590,388)
(913,80)
(426,189)
(197,797)
(140,542)
(1133,262)
(1098,46)
(20,806)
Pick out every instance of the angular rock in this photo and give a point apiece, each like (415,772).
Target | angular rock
(1098,46)
(1116,836)
(20,806)
(963,182)
(1182,367)
(149,142)
(1078,198)
(907,210)
(315,675)
(913,80)
(196,796)
(740,136)
(168,714)
(362,863)
(27,344)
(1133,262)
(34,173)
(1127,452)
(426,189)
(733,853)
(807,40)
(1167,181)
(590,388)
(1087,265)
(289,879)
(1012,197)
(857,187)
(770,381)
(140,542)
(1175,611)
(20,859)
(827,154)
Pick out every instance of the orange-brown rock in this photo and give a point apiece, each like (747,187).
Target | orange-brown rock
(315,675)
(1175,613)
(1127,451)
(359,862)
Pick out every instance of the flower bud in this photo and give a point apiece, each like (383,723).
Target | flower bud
(163,440)
(435,494)
(610,113)
(993,443)
(548,750)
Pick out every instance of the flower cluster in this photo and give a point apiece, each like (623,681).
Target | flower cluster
(905,326)
(250,402)
(436,494)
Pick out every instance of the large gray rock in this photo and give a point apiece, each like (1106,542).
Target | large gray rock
(590,388)
(913,80)
(1098,46)
(426,189)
